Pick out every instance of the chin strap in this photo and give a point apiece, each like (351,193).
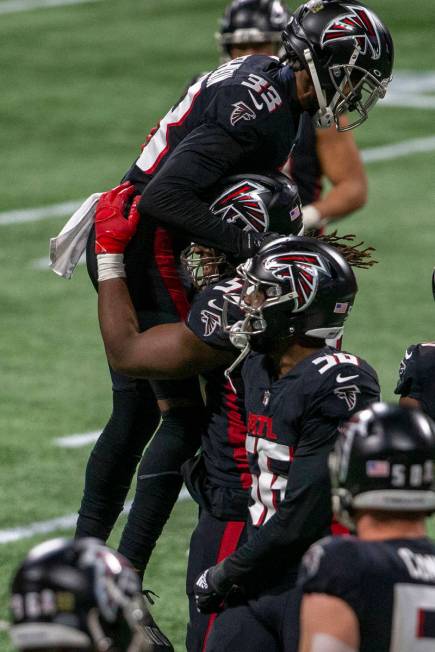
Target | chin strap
(242,342)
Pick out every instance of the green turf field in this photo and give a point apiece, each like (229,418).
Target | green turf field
(81,87)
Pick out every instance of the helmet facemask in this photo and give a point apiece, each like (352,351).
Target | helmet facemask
(352,90)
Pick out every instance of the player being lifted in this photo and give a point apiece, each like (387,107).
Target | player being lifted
(254,27)
(377,591)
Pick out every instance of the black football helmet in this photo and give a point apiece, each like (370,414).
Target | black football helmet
(384,460)
(80,595)
(294,286)
(348,52)
(251,21)
(252,202)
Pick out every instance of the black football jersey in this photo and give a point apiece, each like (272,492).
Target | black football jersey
(390,585)
(417,376)
(223,443)
(241,117)
(293,422)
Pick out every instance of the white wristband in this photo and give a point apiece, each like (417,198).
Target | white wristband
(312,218)
(110,266)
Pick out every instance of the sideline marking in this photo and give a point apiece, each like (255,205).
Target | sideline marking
(398,150)
(14,6)
(66,522)
(78,440)
(369,155)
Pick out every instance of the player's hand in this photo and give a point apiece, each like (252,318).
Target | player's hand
(114,230)
(211,588)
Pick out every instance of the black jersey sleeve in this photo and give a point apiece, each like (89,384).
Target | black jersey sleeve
(332,566)
(212,150)
(205,316)
(409,381)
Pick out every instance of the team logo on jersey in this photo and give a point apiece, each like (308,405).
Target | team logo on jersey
(301,271)
(242,206)
(349,394)
(211,322)
(241,112)
(359,25)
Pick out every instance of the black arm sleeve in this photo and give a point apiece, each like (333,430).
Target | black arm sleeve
(299,521)
(173,196)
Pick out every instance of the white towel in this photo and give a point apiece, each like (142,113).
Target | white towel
(67,248)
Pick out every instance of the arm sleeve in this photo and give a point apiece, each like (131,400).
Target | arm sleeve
(408,383)
(175,196)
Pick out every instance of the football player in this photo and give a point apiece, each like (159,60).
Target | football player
(254,27)
(416,385)
(80,595)
(296,293)
(377,591)
(242,116)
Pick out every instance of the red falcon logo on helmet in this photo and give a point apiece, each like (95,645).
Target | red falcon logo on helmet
(358,24)
(301,270)
(243,206)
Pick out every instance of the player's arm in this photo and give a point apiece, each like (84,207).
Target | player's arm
(166,351)
(296,522)
(408,402)
(328,624)
(175,196)
(341,163)
(408,385)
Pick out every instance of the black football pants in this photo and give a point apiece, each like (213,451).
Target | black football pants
(211,541)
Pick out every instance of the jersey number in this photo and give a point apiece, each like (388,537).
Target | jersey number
(267,487)
(413,626)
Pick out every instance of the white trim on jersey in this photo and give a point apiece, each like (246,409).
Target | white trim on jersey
(158,146)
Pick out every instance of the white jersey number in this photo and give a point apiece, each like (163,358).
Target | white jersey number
(412,604)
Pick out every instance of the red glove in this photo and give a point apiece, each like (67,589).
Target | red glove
(113,231)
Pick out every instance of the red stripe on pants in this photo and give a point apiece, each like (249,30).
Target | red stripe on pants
(229,542)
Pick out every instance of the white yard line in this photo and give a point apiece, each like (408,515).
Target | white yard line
(399,150)
(77,441)
(370,155)
(66,522)
(14,6)
(35,214)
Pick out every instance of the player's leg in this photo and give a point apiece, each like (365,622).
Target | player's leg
(212,540)
(238,628)
(113,461)
(159,478)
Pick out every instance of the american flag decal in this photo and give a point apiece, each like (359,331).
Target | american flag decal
(378,469)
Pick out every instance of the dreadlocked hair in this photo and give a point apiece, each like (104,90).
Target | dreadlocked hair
(352,253)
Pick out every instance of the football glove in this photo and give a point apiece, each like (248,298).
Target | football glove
(211,589)
(113,231)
